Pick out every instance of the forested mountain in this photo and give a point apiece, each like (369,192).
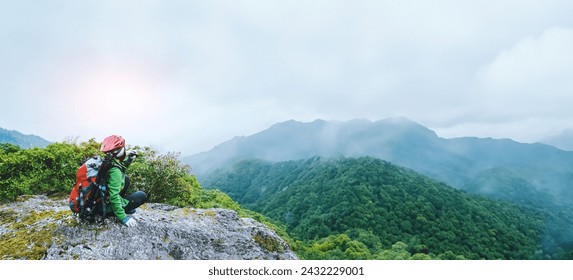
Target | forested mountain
(23,141)
(364,208)
(460,162)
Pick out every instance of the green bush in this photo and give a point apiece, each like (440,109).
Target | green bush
(41,170)
(52,170)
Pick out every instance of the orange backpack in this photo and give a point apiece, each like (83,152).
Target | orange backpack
(89,193)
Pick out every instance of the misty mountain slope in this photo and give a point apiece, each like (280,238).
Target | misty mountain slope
(291,140)
(378,204)
(564,140)
(545,168)
(504,184)
(21,140)
(458,162)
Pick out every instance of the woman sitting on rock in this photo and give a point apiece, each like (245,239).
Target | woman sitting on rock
(118,183)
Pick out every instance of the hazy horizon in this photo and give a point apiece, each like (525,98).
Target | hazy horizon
(556,142)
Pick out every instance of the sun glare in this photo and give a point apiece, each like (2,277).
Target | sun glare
(120,92)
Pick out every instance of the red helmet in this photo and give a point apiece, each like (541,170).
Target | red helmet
(111,143)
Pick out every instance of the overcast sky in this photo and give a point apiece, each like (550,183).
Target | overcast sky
(185,76)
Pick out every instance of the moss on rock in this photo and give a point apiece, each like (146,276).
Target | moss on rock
(268,243)
(7,216)
(28,237)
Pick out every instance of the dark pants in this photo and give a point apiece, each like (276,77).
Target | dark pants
(136,199)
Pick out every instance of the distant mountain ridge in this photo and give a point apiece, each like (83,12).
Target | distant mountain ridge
(22,140)
(293,140)
(460,162)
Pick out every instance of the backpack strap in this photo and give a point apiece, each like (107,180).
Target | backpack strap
(102,181)
(107,163)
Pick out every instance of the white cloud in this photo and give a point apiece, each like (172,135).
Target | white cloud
(534,65)
(533,77)
(527,130)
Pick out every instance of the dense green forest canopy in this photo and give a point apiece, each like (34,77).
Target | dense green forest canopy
(370,208)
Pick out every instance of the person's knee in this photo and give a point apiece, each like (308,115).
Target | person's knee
(141,196)
(136,199)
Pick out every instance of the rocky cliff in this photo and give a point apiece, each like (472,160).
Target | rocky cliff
(36,227)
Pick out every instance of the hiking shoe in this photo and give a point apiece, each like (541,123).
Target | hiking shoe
(130,212)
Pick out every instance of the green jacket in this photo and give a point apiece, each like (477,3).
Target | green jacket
(116,177)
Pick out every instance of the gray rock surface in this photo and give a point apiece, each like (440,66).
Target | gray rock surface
(163,232)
